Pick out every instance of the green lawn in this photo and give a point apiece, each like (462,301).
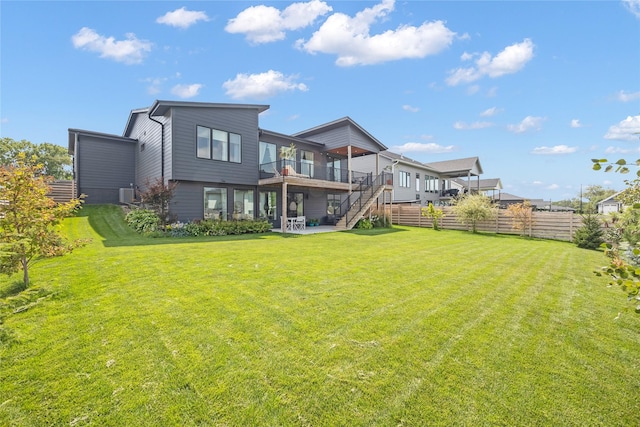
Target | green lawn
(391,328)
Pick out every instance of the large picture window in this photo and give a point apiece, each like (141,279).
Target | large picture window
(306,163)
(217,144)
(215,203)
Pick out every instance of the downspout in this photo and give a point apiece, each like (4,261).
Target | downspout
(161,145)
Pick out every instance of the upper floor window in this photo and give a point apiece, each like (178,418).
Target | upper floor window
(218,145)
(417,182)
(268,157)
(405,179)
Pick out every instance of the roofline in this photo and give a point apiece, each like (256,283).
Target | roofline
(156,108)
(295,138)
(74,133)
(343,119)
(408,161)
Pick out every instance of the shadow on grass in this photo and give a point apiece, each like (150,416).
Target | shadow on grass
(108,222)
(12,289)
(376,231)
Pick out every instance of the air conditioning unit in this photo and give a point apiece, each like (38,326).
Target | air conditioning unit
(126,195)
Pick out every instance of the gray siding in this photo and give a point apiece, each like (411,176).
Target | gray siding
(103,166)
(185,166)
(343,136)
(149,150)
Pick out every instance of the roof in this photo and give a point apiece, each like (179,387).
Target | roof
(610,199)
(289,137)
(160,107)
(74,133)
(335,125)
(482,184)
(401,158)
(458,167)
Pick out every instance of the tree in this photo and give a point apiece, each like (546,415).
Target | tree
(472,208)
(434,214)
(28,218)
(623,265)
(157,196)
(521,216)
(55,159)
(590,235)
(592,193)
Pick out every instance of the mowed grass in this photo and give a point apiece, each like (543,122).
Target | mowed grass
(395,327)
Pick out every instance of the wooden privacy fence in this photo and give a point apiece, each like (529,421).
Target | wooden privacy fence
(62,191)
(545,225)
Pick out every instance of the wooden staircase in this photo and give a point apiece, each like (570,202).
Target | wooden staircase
(358,209)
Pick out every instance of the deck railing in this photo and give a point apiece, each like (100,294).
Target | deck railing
(310,170)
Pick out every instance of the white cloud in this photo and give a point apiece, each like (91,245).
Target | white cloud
(186,91)
(410,108)
(349,38)
(618,150)
(490,112)
(537,182)
(627,97)
(261,86)
(557,149)
(130,51)
(633,6)
(421,147)
(626,130)
(511,60)
(472,126)
(182,18)
(528,123)
(265,24)
(575,123)
(552,187)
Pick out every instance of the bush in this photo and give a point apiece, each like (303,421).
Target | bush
(364,224)
(143,220)
(224,228)
(590,235)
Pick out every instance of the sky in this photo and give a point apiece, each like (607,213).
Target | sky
(534,89)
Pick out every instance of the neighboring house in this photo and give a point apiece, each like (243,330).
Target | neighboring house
(422,183)
(488,187)
(610,204)
(506,199)
(413,181)
(457,168)
(227,167)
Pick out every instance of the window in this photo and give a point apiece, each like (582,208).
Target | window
(268,204)
(431,184)
(306,163)
(218,145)
(334,171)
(268,157)
(418,182)
(243,204)
(405,179)
(215,203)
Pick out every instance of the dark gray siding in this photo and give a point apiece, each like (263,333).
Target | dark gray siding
(103,167)
(149,150)
(343,136)
(187,167)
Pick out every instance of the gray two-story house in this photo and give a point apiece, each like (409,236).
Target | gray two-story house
(227,167)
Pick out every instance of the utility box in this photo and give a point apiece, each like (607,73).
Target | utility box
(126,195)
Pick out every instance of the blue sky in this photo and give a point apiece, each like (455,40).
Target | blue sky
(534,89)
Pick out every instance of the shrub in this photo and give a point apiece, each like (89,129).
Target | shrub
(224,228)
(590,235)
(364,224)
(434,214)
(143,220)
(473,208)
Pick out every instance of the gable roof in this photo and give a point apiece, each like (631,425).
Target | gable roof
(344,121)
(612,198)
(401,158)
(458,167)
